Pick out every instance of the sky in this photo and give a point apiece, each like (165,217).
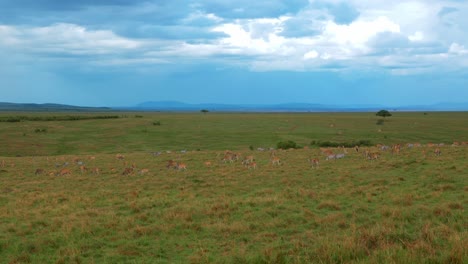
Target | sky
(125,52)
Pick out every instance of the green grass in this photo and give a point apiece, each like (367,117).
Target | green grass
(217,131)
(403,208)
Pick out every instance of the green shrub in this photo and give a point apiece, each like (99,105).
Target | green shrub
(349,144)
(287,144)
(157,123)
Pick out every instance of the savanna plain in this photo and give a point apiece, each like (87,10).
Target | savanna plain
(215,188)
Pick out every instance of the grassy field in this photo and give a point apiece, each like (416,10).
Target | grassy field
(406,208)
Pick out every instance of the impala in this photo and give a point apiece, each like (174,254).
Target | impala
(127,171)
(171,164)
(181,166)
(437,152)
(314,162)
(331,157)
(143,171)
(95,171)
(252,165)
(120,156)
(39,171)
(64,172)
(207,163)
(83,169)
(247,160)
(275,161)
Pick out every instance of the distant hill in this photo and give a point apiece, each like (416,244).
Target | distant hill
(49,108)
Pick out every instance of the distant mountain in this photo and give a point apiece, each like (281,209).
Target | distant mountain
(286,107)
(49,108)
(292,107)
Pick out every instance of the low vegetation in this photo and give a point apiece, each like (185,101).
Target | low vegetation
(119,205)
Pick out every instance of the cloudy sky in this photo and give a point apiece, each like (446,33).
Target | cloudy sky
(124,52)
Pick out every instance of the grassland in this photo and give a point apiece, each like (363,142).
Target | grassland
(406,208)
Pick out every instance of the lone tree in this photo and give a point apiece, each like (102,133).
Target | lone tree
(383,113)
(204,111)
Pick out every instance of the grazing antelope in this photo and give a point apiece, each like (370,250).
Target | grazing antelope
(396,149)
(372,155)
(275,161)
(171,164)
(228,157)
(207,163)
(455,143)
(39,171)
(331,157)
(127,171)
(181,166)
(91,158)
(83,169)
(384,148)
(119,156)
(143,171)
(437,152)
(64,172)
(314,162)
(252,165)
(247,160)
(96,171)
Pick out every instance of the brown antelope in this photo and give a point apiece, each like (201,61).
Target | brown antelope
(181,166)
(91,158)
(64,172)
(372,155)
(247,160)
(228,157)
(396,149)
(96,171)
(127,171)
(39,171)
(437,152)
(252,165)
(314,162)
(83,169)
(119,156)
(207,163)
(143,171)
(275,160)
(455,144)
(356,148)
(171,164)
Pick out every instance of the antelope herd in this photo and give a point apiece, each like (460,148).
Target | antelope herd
(63,167)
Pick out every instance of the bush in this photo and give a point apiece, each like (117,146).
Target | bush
(251,147)
(138,116)
(350,144)
(287,145)
(380,122)
(40,130)
(157,123)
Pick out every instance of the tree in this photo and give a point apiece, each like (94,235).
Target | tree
(204,111)
(383,113)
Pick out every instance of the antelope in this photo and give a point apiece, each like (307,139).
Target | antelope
(252,165)
(396,149)
(91,158)
(247,160)
(181,166)
(314,162)
(275,160)
(437,152)
(171,164)
(83,169)
(127,171)
(331,157)
(95,171)
(455,143)
(228,157)
(38,171)
(372,155)
(207,163)
(356,148)
(64,172)
(119,156)
(143,171)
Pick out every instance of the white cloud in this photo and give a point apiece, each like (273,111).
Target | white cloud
(311,55)
(67,38)
(456,48)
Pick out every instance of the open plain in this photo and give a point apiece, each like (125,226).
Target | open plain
(103,190)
